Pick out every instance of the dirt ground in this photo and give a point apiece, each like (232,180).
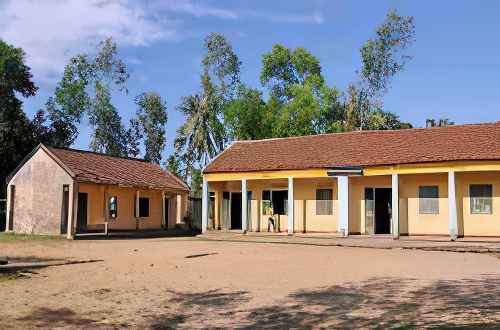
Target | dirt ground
(188,283)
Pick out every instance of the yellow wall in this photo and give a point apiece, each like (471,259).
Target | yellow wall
(480,224)
(410,178)
(357,187)
(125,211)
(95,202)
(416,223)
(304,205)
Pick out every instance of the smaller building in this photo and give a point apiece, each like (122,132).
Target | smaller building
(66,191)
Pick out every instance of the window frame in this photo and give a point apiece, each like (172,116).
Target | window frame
(319,200)
(473,210)
(110,210)
(285,207)
(421,200)
(141,214)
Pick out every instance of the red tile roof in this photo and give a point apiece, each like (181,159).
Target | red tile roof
(97,168)
(362,148)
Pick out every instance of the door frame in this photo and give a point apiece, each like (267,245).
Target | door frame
(231,209)
(79,208)
(374,210)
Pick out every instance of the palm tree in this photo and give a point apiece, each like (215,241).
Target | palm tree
(203,135)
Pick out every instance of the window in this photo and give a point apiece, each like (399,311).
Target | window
(143,207)
(113,209)
(277,199)
(428,199)
(324,201)
(481,198)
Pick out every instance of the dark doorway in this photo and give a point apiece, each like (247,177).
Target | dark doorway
(65,210)
(236,211)
(383,210)
(166,212)
(81,218)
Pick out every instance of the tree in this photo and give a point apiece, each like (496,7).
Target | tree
(109,136)
(74,97)
(381,61)
(58,133)
(440,122)
(314,108)
(151,120)
(203,135)
(247,117)
(221,64)
(282,68)
(16,130)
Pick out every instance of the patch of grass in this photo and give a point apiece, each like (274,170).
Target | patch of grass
(10,237)
(9,277)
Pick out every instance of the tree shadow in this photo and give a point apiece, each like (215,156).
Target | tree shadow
(137,234)
(378,303)
(52,318)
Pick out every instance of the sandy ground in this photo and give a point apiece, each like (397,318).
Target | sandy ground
(170,283)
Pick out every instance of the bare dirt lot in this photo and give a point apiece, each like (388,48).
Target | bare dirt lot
(169,283)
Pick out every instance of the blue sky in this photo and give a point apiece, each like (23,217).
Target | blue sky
(454,72)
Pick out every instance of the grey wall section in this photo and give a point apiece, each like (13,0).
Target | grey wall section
(38,200)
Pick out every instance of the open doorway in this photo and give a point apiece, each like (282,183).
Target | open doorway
(378,210)
(81,217)
(236,210)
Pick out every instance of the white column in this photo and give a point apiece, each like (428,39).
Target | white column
(395,206)
(204,206)
(452,205)
(244,206)
(291,215)
(343,192)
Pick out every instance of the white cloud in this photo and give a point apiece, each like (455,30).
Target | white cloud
(315,17)
(52,31)
(198,10)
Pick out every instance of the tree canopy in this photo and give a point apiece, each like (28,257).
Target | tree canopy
(151,119)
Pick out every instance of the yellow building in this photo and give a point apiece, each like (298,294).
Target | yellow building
(425,181)
(54,190)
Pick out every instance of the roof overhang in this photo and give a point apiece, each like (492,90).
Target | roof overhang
(344,171)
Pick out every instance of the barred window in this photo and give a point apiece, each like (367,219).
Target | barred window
(481,198)
(428,199)
(324,201)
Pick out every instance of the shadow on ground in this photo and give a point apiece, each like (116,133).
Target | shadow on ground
(375,304)
(138,234)
(46,318)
